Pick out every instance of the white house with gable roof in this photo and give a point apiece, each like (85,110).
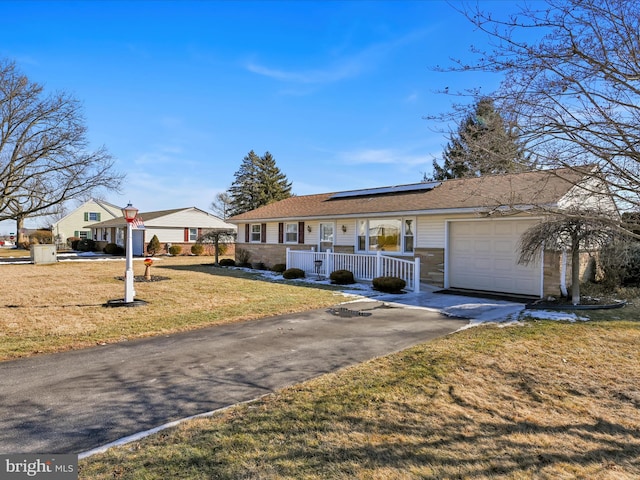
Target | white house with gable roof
(76,224)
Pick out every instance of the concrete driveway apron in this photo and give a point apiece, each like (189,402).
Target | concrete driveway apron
(75,401)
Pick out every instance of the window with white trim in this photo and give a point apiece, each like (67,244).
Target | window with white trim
(393,235)
(291,233)
(256,230)
(94,216)
(408,235)
(193,234)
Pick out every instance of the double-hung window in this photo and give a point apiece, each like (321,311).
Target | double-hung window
(291,233)
(408,235)
(256,230)
(193,234)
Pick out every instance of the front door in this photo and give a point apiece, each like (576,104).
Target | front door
(138,243)
(326,237)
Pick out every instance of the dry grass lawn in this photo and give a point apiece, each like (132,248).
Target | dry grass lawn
(48,308)
(543,400)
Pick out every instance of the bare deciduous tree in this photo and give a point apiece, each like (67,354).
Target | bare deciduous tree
(217,236)
(44,156)
(574,90)
(221,205)
(570,231)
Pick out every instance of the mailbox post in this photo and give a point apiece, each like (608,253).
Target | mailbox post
(318,264)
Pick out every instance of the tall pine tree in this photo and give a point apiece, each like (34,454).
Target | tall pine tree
(483,144)
(257,182)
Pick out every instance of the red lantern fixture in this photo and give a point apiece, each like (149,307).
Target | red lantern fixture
(129,212)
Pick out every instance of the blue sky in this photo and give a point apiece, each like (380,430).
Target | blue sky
(180,92)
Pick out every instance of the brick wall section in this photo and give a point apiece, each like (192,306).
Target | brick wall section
(552,264)
(552,273)
(186,249)
(431,265)
(269,253)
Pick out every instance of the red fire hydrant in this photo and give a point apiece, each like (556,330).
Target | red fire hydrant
(147,271)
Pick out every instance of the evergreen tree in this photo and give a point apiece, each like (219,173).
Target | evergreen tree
(272,182)
(257,182)
(154,246)
(483,144)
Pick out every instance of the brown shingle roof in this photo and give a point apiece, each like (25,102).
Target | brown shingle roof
(530,188)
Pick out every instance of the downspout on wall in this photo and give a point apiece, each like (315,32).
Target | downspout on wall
(563,273)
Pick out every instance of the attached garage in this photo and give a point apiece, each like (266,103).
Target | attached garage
(483,255)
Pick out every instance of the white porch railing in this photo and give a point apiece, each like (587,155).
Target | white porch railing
(363,266)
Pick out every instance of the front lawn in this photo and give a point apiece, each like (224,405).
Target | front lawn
(49,308)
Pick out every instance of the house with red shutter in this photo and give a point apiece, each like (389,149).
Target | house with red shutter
(460,233)
(180,226)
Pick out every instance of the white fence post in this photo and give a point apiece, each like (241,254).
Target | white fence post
(416,275)
(378,264)
(328,261)
(288,260)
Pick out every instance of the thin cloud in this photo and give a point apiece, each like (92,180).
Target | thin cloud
(382,157)
(412,98)
(345,68)
(167,154)
(328,75)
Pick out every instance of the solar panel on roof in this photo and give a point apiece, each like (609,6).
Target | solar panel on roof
(414,187)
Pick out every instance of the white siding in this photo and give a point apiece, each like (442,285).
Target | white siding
(586,196)
(74,221)
(348,238)
(311,238)
(272,232)
(430,232)
(165,235)
(191,218)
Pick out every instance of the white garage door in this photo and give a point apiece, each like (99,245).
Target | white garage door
(483,255)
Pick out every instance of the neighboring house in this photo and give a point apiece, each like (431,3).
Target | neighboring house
(181,226)
(465,232)
(76,224)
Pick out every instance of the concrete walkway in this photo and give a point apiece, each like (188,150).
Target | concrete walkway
(76,401)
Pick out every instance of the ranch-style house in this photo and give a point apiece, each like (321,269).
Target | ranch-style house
(458,234)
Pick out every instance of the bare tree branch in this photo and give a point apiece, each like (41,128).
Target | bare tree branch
(44,155)
(574,91)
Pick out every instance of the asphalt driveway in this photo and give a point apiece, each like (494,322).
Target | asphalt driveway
(75,401)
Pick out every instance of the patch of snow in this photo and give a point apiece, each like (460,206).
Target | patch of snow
(555,316)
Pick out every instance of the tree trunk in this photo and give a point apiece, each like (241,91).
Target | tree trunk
(216,243)
(20,236)
(575,273)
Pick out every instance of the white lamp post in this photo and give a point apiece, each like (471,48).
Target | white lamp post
(129,213)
